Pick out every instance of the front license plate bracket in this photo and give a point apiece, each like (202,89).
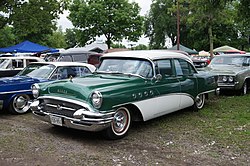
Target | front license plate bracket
(55,120)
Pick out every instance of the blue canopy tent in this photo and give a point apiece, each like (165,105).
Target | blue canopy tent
(28,46)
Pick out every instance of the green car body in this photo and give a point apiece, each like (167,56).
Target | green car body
(110,99)
(233,72)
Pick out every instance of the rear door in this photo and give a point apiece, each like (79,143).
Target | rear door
(188,82)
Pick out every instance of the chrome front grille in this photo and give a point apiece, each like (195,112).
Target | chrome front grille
(58,107)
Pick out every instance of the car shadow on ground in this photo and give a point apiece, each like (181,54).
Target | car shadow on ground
(79,135)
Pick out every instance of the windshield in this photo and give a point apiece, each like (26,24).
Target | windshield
(4,63)
(37,70)
(126,66)
(227,60)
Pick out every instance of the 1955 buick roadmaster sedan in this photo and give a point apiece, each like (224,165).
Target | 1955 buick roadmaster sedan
(127,86)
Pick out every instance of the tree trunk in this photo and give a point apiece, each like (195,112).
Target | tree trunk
(108,42)
(211,42)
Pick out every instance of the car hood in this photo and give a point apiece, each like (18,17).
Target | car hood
(82,88)
(17,83)
(225,69)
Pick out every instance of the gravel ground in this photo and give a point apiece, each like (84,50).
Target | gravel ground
(24,140)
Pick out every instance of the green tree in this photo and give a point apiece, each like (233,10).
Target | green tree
(206,14)
(161,22)
(115,19)
(140,47)
(35,19)
(117,45)
(6,7)
(7,38)
(243,20)
(71,38)
(57,39)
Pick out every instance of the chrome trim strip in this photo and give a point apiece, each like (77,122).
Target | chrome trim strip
(1,93)
(65,108)
(67,100)
(170,94)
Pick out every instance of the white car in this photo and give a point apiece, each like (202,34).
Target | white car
(10,66)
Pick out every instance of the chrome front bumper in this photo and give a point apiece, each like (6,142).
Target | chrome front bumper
(82,119)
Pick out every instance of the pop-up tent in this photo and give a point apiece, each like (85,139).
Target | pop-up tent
(28,46)
(227,50)
(183,48)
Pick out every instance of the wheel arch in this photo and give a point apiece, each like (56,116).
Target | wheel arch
(134,111)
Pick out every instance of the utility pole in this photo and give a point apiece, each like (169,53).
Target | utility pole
(178,25)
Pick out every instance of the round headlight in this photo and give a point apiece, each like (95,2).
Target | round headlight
(96,99)
(224,78)
(230,79)
(35,90)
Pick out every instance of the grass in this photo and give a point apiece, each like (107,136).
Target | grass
(223,125)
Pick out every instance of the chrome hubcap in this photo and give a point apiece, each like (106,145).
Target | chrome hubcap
(21,102)
(120,121)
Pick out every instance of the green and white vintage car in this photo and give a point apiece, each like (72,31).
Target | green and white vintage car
(127,86)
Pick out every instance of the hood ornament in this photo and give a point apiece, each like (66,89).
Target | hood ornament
(70,78)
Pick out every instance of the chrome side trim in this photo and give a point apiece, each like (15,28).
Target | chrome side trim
(2,93)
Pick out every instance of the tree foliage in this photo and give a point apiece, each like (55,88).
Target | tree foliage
(31,20)
(161,21)
(71,38)
(35,19)
(115,19)
(57,39)
(204,24)
(7,37)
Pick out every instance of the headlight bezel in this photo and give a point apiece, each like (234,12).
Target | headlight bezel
(230,79)
(96,99)
(35,90)
(224,78)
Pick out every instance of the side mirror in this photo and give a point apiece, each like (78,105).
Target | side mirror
(158,77)
(245,64)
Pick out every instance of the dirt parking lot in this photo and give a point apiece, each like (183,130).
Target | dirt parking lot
(174,139)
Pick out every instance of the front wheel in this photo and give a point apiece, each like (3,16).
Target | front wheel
(199,102)
(20,104)
(244,88)
(119,125)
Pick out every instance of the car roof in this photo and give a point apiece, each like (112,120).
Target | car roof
(232,55)
(21,57)
(58,64)
(148,54)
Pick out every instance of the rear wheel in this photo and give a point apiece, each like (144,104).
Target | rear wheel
(199,102)
(119,125)
(20,104)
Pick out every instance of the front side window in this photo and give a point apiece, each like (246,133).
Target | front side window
(17,63)
(126,66)
(65,72)
(164,67)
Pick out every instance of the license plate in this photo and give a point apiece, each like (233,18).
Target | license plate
(56,120)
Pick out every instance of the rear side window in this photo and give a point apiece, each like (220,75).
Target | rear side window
(80,57)
(182,67)
(65,58)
